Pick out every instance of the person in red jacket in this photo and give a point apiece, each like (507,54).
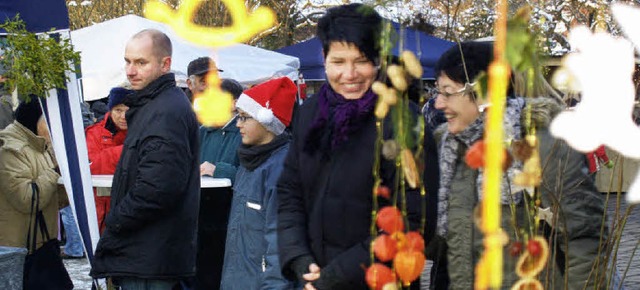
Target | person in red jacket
(104,144)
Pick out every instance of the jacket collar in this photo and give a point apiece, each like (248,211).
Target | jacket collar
(228,127)
(152,90)
(17,131)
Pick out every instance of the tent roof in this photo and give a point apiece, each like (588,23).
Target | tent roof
(427,47)
(102,56)
(38,15)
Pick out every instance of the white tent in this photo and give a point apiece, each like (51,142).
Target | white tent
(101,47)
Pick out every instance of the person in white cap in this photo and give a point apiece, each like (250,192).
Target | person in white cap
(251,251)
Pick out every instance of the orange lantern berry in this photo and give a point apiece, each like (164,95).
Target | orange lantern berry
(383,191)
(379,275)
(390,219)
(415,242)
(408,265)
(385,248)
(401,240)
(475,155)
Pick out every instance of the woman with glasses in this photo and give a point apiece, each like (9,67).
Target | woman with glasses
(575,204)
(326,186)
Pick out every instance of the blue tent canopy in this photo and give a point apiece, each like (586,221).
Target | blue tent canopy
(38,15)
(429,49)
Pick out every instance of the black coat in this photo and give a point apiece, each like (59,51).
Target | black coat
(326,203)
(151,227)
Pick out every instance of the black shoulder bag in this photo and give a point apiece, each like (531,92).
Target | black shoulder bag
(43,267)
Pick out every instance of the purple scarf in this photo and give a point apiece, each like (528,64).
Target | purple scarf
(347,116)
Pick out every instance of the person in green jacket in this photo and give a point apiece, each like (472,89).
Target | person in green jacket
(573,224)
(218,146)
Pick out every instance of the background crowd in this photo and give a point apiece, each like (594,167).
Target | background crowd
(301,210)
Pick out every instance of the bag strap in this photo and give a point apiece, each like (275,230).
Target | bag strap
(31,219)
(39,223)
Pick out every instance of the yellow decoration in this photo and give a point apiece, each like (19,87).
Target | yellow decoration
(213,107)
(244,26)
(489,273)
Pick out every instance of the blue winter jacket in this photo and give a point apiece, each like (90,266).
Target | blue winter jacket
(251,251)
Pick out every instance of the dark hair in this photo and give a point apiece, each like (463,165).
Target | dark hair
(477,57)
(233,87)
(355,24)
(161,42)
(28,114)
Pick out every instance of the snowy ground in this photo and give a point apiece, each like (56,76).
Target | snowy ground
(79,269)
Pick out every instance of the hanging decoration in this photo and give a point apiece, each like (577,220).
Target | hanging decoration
(213,107)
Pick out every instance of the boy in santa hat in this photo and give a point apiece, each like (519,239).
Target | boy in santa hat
(251,257)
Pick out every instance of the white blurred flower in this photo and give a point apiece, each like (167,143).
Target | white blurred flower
(72,3)
(604,114)
(85,3)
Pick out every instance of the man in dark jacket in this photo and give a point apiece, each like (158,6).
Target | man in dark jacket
(150,236)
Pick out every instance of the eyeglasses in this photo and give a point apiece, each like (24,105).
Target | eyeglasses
(242,118)
(468,87)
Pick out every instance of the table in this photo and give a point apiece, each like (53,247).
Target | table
(205,181)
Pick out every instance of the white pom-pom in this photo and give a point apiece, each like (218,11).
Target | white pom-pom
(264,116)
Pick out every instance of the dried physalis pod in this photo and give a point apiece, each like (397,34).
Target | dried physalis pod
(528,283)
(390,149)
(410,169)
(521,150)
(411,64)
(396,75)
(531,174)
(379,88)
(387,95)
(533,260)
(381,110)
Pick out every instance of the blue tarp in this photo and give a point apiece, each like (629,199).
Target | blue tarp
(38,15)
(312,63)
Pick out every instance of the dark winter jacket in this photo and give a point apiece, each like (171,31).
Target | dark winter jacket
(251,251)
(325,204)
(151,227)
(219,146)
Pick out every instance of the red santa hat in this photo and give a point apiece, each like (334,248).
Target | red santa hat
(270,103)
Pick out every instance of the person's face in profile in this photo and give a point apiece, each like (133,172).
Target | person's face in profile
(117,114)
(456,103)
(197,83)
(43,130)
(349,72)
(142,64)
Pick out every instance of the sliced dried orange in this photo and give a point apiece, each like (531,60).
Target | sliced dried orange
(527,284)
(529,265)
